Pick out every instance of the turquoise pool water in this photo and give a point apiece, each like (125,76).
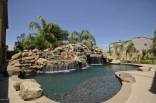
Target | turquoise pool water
(83,85)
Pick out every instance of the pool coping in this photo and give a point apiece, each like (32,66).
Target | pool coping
(125,91)
(126,88)
(122,95)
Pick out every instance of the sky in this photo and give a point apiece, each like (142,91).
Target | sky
(107,20)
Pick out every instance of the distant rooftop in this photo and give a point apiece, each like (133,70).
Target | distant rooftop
(132,39)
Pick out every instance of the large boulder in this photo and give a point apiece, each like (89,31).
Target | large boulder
(35,50)
(47,50)
(126,77)
(64,55)
(144,69)
(16,82)
(30,89)
(28,58)
(114,61)
(25,54)
(12,70)
(97,50)
(13,62)
(67,55)
(41,61)
(16,56)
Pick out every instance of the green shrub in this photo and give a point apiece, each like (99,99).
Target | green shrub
(149,61)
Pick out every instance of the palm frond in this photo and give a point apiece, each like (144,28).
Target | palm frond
(89,37)
(43,22)
(34,25)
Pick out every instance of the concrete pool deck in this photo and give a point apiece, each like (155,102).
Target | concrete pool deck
(15,98)
(138,92)
(141,90)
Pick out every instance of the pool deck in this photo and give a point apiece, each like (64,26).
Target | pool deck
(15,98)
(142,91)
(139,92)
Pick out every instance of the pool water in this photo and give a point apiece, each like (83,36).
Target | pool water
(93,85)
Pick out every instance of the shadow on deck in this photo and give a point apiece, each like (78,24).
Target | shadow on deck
(4,83)
(153,87)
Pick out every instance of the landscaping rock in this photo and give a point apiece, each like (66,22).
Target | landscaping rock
(28,58)
(116,61)
(126,77)
(25,54)
(62,56)
(13,70)
(13,62)
(16,56)
(26,50)
(16,82)
(41,61)
(144,69)
(35,50)
(30,89)
(46,50)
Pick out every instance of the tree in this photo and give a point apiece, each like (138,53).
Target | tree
(116,46)
(130,50)
(47,35)
(79,37)
(19,42)
(153,49)
(50,33)
(144,55)
(118,49)
(28,42)
(121,47)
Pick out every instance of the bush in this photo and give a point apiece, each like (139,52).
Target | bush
(149,61)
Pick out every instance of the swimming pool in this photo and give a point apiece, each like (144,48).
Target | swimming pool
(93,85)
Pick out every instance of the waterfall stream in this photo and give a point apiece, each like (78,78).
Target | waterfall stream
(91,60)
(64,68)
(96,60)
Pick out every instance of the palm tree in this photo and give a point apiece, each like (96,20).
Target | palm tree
(19,42)
(48,33)
(153,49)
(73,37)
(84,35)
(130,50)
(115,46)
(145,54)
(118,49)
(121,50)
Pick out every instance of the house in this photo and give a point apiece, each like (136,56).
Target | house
(119,49)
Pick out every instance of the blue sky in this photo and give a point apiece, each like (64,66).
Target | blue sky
(107,20)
